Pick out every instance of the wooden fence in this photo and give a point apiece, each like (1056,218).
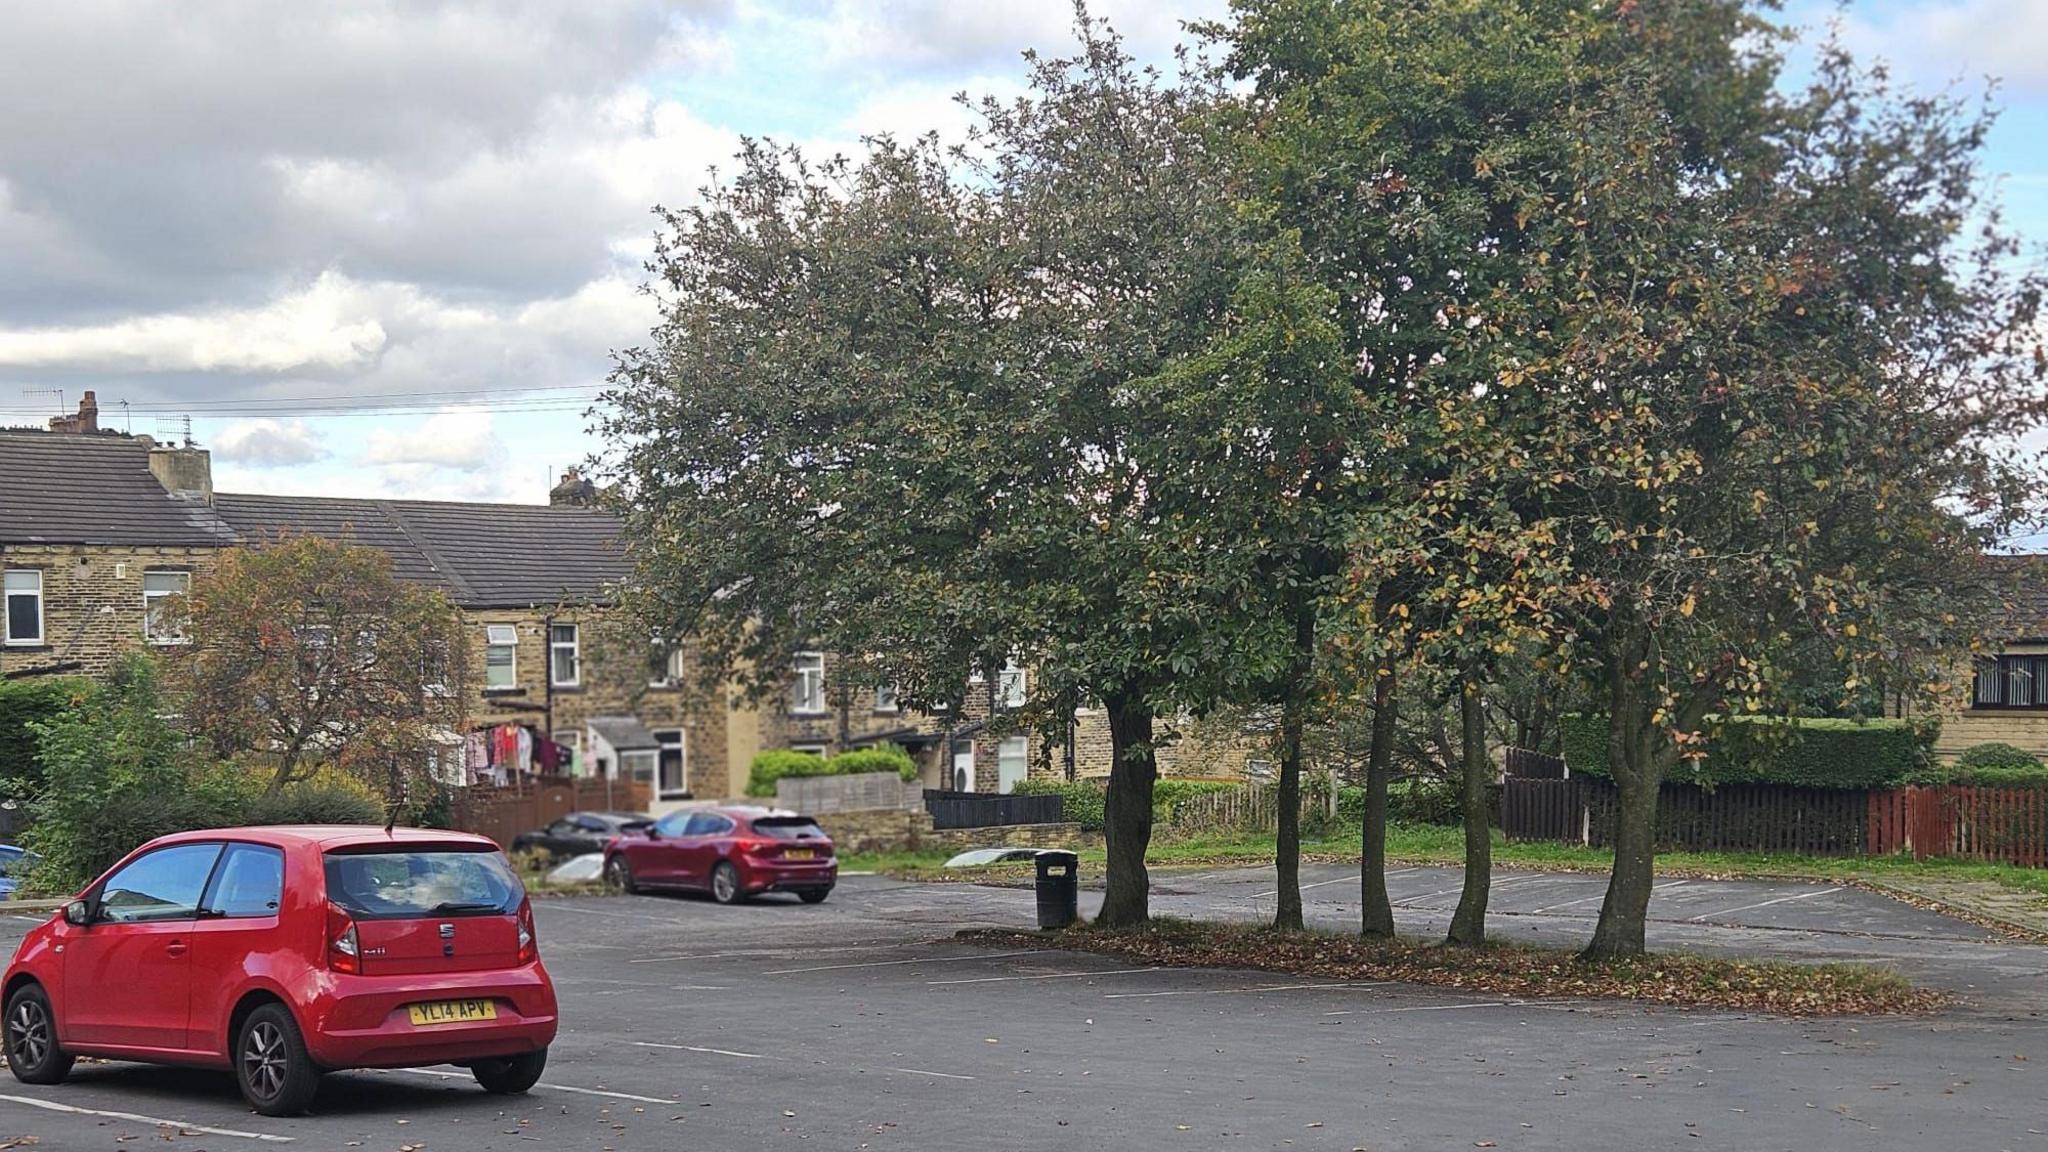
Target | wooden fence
(2004,825)
(1533,765)
(1252,808)
(503,813)
(983,810)
(2008,825)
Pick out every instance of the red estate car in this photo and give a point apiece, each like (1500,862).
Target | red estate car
(733,853)
(282,953)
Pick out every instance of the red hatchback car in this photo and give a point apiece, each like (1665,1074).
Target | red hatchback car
(282,953)
(732,853)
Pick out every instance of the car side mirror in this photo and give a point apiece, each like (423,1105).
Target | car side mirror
(78,913)
(653,833)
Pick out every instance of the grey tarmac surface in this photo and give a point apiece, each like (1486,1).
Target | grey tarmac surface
(859,1024)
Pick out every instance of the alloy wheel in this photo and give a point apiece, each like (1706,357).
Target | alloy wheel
(724,884)
(263,1060)
(28,1033)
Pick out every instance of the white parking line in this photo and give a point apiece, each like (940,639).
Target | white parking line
(1044,976)
(1439,1007)
(1253,988)
(915,960)
(1600,896)
(1497,885)
(1764,904)
(1320,883)
(180,1125)
(672,957)
(546,1087)
(923,1072)
(706,1051)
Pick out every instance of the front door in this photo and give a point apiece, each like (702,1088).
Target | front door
(963,765)
(127,975)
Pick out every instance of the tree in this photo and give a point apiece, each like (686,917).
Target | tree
(306,652)
(942,407)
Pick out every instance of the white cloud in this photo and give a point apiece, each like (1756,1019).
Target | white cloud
(1959,40)
(947,34)
(269,444)
(458,439)
(310,329)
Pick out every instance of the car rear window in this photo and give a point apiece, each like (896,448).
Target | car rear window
(415,883)
(789,827)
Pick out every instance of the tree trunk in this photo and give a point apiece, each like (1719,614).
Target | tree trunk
(1287,846)
(1379,909)
(1632,757)
(1468,924)
(1127,813)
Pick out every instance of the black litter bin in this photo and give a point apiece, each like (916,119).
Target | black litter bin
(1059,889)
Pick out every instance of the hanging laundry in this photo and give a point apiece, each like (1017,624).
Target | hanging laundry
(524,744)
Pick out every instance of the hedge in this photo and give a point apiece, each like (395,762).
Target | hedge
(768,767)
(1995,765)
(23,702)
(1845,754)
(1081,800)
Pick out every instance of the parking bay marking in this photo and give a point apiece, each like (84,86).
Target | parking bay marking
(1253,988)
(543,1087)
(914,960)
(180,1125)
(1320,883)
(1764,904)
(759,1056)
(1043,976)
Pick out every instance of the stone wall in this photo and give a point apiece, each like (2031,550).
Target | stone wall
(92,601)
(896,830)
(1191,749)
(1065,835)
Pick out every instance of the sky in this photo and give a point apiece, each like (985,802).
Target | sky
(270,217)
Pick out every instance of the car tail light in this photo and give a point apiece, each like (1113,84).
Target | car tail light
(344,947)
(529,944)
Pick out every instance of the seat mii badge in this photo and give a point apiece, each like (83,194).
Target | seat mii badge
(447,940)
(447,931)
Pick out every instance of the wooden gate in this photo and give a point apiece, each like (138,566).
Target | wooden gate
(1532,808)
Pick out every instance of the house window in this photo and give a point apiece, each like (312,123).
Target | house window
(1010,685)
(807,684)
(24,587)
(664,665)
(2012,682)
(565,661)
(672,778)
(885,698)
(157,587)
(817,750)
(572,739)
(501,656)
(1012,763)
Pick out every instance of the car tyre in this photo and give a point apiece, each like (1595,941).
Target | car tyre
(511,1075)
(276,1075)
(32,1052)
(725,883)
(814,895)
(618,875)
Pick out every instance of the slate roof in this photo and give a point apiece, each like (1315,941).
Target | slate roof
(624,733)
(94,489)
(2023,582)
(482,555)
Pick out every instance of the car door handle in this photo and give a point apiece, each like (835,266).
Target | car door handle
(175,948)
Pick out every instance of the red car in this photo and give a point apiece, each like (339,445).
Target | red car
(282,953)
(732,853)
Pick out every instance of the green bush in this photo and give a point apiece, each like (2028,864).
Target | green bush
(1846,754)
(1996,756)
(885,758)
(773,765)
(1080,800)
(27,702)
(316,802)
(1168,794)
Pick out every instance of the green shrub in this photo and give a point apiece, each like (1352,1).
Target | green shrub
(773,765)
(1080,800)
(27,702)
(1996,756)
(316,802)
(1846,754)
(884,758)
(1168,794)
(2036,777)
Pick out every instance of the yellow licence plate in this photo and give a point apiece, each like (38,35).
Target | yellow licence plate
(451,1012)
(798,854)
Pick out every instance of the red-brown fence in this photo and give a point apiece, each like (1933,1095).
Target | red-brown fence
(503,813)
(2005,825)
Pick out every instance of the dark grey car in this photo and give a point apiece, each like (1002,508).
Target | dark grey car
(580,833)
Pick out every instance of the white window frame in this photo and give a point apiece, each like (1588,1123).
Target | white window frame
(574,647)
(681,746)
(1012,750)
(8,592)
(1012,689)
(671,666)
(807,684)
(511,645)
(818,750)
(150,607)
(885,699)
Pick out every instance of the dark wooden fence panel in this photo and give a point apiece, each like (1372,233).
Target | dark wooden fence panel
(981,810)
(1534,765)
(1746,818)
(503,813)
(1538,809)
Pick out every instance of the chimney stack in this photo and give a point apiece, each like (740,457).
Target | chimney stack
(573,492)
(186,473)
(86,422)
